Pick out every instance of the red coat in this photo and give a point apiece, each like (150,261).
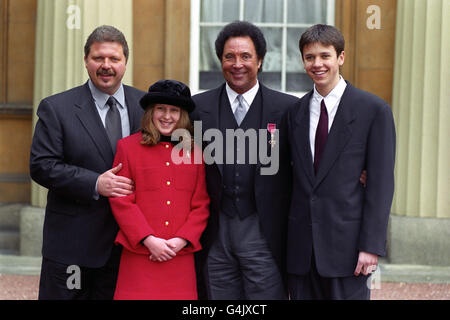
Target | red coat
(169,201)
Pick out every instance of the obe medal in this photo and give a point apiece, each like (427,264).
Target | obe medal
(271,127)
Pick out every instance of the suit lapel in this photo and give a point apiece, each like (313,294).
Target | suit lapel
(89,117)
(269,114)
(210,116)
(301,140)
(339,135)
(133,114)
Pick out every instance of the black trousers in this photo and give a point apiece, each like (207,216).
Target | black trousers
(240,264)
(59,281)
(313,286)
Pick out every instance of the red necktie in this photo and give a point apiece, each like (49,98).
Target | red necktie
(321,135)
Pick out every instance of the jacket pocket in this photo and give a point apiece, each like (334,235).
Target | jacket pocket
(148,179)
(185,177)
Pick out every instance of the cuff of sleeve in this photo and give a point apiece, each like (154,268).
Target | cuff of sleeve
(96,196)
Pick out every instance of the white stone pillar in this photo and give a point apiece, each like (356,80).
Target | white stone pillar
(420,224)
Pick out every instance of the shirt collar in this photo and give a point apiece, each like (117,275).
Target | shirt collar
(334,95)
(249,95)
(100,97)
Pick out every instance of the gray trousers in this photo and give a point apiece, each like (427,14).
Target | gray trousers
(240,265)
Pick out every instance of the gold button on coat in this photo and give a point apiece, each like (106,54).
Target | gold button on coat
(168,202)
(168,183)
(166,223)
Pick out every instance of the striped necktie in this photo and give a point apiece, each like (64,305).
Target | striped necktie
(239,113)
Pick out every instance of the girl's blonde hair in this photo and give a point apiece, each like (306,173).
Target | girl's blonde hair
(151,135)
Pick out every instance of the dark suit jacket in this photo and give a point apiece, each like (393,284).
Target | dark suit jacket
(272,192)
(70,149)
(332,213)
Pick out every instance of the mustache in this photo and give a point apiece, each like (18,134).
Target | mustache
(106,72)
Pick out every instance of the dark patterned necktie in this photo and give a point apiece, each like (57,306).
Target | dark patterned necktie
(113,124)
(321,135)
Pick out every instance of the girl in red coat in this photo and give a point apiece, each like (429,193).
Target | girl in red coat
(161,222)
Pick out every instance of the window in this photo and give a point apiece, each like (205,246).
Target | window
(281,21)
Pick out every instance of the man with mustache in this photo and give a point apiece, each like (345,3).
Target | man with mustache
(72,154)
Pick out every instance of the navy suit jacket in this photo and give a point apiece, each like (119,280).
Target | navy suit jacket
(70,149)
(272,192)
(331,213)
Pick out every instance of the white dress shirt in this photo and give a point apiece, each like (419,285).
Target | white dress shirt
(248,96)
(100,99)
(331,102)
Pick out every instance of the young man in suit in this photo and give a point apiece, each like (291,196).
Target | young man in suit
(337,227)
(244,243)
(72,154)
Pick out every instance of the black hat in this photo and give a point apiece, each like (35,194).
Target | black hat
(170,92)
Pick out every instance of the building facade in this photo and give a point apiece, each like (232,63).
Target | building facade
(395,49)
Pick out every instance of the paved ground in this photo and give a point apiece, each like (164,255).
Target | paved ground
(19,280)
(17,287)
(20,287)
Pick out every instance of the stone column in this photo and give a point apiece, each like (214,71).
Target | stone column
(177,40)
(420,224)
(61,32)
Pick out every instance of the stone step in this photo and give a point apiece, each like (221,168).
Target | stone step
(10,239)
(9,252)
(20,265)
(10,215)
